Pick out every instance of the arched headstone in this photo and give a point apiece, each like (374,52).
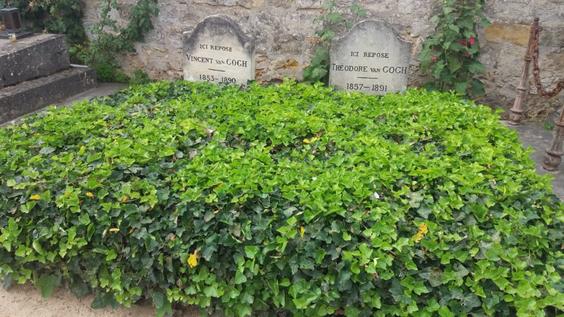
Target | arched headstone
(218,51)
(370,58)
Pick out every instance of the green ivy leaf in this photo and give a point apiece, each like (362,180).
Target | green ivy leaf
(240,277)
(46,150)
(476,68)
(79,288)
(7,281)
(478,88)
(103,300)
(460,88)
(47,284)
(162,305)
(251,251)
(454,64)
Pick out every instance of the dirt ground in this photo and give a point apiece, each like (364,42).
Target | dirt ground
(26,301)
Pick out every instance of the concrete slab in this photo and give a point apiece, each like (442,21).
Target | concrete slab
(101,90)
(29,96)
(37,56)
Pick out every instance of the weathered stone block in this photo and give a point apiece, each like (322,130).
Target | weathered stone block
(32,95)
(32,57)
(517,34)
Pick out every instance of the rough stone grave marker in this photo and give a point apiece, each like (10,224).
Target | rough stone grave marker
(218,51)
(370,58)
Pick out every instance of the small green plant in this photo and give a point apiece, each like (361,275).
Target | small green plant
(56,16)
(109,71)
(290,200)
(109,40)
(451,54)
(548,125)
(333,22)
(139,77)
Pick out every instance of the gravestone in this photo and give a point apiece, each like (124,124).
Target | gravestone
(370,58)
(218,51)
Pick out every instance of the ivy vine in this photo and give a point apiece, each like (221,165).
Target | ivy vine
(451,55)
(109,40)
(333,21)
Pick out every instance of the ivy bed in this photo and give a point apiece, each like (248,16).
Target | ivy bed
(290,199)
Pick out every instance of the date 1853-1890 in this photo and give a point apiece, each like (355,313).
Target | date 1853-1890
(218,79)
(360,87)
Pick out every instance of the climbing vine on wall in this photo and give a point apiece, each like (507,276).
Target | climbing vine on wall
(107,40)
(450,55)
(333,21)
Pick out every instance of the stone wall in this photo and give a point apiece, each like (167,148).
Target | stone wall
(285,36)
(505,45)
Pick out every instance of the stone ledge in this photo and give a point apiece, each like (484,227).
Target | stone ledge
(32,57)
(33,95)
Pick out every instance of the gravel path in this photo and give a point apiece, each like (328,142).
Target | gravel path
(534,135)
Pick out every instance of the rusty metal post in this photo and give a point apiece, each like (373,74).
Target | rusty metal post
(516,112)
(553,156)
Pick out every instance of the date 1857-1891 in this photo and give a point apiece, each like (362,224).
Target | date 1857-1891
(360,87)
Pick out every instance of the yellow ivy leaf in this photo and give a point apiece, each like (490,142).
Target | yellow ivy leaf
(308,141)
(89,195)
(35,197)
(124,199)
(302,231)
(421,232)
(423,228)
(193,259)
(114,230)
